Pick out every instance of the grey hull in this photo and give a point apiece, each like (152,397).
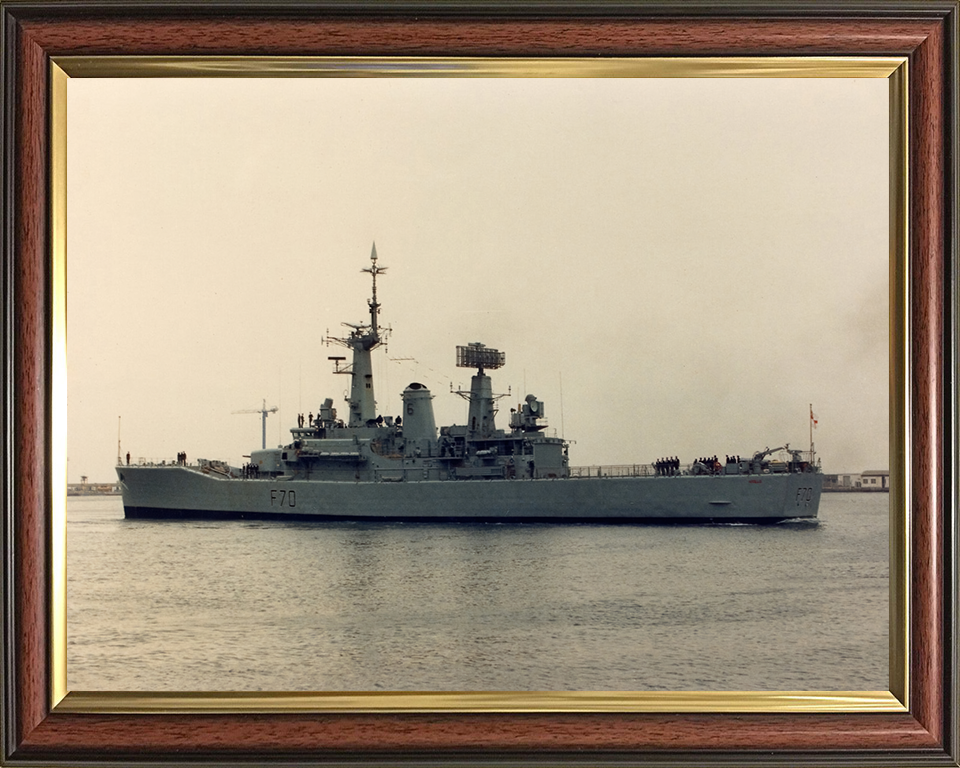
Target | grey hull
(186,492)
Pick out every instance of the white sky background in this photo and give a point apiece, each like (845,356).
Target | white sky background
(693,260)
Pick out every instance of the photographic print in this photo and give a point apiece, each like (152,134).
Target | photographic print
(376,362)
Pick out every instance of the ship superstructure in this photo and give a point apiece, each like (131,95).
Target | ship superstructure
(371,466)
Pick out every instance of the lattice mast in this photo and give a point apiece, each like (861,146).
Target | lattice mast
(363,339)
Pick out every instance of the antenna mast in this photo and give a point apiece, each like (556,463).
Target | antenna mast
(373,270)
(361,340)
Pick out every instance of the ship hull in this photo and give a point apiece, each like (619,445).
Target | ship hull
(175,492)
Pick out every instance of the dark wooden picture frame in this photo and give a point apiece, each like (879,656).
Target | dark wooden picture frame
(34,733)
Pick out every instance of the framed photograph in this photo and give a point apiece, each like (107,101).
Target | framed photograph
(519,84)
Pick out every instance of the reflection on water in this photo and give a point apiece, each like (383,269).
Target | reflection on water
(173,605)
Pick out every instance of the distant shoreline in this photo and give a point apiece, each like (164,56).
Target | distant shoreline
(93,489)
(855,490)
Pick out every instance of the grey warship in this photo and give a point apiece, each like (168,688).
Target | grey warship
(376,468)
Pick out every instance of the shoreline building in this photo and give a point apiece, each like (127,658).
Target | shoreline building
(868,480)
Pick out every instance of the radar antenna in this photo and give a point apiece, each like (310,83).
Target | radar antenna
(483,411)
(478,356)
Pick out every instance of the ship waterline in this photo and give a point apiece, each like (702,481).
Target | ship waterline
(369,467)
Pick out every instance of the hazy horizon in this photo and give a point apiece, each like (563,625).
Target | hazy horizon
(676,267)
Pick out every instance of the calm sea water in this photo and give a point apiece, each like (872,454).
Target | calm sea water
(244,606)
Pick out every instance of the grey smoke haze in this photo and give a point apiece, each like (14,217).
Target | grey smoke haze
(676,267)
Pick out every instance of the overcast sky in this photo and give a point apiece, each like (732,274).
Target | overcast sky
(676,267)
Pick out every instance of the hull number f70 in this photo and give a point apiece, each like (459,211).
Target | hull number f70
(282,498)
(804,496)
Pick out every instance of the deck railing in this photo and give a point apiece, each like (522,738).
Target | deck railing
(146,461)
(614,470)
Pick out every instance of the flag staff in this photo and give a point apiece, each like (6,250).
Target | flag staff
(813,422)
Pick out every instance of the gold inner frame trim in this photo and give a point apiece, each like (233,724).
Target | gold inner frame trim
(482,701)
(58,375)
(413,66)
(895,69)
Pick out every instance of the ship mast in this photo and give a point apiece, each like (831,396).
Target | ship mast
(362,340)
(481,398)
(373,270)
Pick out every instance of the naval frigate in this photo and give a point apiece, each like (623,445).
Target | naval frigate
(371,467)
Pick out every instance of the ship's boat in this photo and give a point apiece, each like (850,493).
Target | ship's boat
(366,466)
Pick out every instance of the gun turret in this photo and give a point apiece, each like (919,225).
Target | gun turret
(767,451)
